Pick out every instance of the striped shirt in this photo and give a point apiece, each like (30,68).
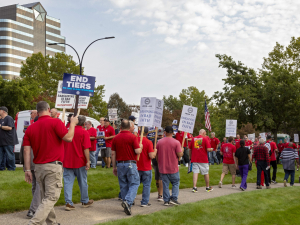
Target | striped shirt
(288,156)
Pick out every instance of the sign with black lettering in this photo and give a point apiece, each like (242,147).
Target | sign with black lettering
(158,113)
(147,108)
(78,85)
(113,114)
(187,120)
(83,102)
(63,101)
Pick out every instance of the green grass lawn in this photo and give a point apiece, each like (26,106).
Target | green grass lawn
(274,206)
(15,194)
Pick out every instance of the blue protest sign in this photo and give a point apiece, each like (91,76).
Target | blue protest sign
(101,141)
(151,133)
(78,85)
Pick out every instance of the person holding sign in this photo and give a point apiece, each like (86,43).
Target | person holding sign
(179,137)
(100,129)
(214,142)
(144,167)
(168,152)
(109,135)
(125,148)
(200,146)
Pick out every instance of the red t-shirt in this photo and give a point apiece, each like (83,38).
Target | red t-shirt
(248,143)
(144,163)
(31,122)
(237,143)
(109,131)
(280,147)
(45,138)
(74,151)
(100,128)
(179,137)
(93,133)
(228,150)
(124,144)
(68,125)
(273,147)
(199,146)
(166,155)
(223,143)
(286,145)
(214,143)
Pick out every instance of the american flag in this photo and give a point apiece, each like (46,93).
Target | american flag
(207,118)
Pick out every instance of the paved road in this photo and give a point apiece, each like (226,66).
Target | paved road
(107,210)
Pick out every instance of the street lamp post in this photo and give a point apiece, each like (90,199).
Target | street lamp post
(80,63)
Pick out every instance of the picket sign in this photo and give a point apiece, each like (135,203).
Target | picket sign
(296,138)
(63,101)
(231,126)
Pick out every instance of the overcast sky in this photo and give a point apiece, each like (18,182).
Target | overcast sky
(164,46)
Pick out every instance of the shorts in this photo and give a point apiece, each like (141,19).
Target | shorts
(106,152)
(230,167)
(202,168)
(156,172)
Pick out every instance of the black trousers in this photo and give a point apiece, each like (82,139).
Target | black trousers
(273,164)
(261,166)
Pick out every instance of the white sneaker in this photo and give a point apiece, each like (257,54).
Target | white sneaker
(186,165)
(220,184)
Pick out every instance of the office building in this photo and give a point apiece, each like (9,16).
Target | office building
(24,30)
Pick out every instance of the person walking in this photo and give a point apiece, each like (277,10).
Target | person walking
(93,134)
(243,159)
(8,139)
(188,138)
(109,135)
(214,143)
(158,177)
(288,157)
(76,164)
(144,167)
(228,151)
(261,154)
(100,128)
(45,137)
(168,152)
(199,147)
(280,147)
(125,148)
(272,152)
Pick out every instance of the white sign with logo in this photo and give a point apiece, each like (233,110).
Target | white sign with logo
(263,136)
(147,108)
(251,137)
(83,102)
(187,119)
(158,113)
(231,126)
(113,114)
(175,122)
(63,101)
(296,138)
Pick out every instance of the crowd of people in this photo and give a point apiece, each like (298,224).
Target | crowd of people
(54,154)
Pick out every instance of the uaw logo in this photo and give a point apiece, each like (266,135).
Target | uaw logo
(190,110)
(159,103)
(77,92)
(147,101)
(231,122)
(90,94)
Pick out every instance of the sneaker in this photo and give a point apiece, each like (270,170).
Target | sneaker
(126,207)
(145,205)
(291,185)
(186,165)
(120,199)
(242,189)
(284,183)
(166,203)
(209,189)
(174,202)
(30,214)
(160,198)
(273,181)
(220,184)
(233,186)
(69,207)
(88,204)
(258,187)
(269,187)
(194,190)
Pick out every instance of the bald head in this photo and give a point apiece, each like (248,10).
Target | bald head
(202,132)
(53,113)
(125,125)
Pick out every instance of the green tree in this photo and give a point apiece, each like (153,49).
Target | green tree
(115,101)
(97,106)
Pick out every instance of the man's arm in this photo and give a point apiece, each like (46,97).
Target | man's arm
(235,161)
(27,158)
(113,160)
(152,154)
(93,138)
(110,137)
(87,156)
(180,154)
(139,150)
(6,128)
(69,136)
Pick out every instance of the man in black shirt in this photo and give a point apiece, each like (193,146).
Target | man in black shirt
(8,138)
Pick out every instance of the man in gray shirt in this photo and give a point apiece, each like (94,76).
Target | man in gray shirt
(288,156)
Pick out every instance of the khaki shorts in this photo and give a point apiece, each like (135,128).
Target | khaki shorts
(106,152)
(230,167)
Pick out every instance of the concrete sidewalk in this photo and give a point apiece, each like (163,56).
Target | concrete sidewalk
(111,209)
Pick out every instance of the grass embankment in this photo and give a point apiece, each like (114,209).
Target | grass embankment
(274,206)
(15,193)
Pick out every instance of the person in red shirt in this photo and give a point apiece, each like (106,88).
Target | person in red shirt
(273,163)
(145,168)
(76,164)
(93,134)
(199,146)
(188,138)
(69,120)
(237,141)
(109,135)
(125,148)
(45,137)
(280,147)
(286,143)
(224,141)
(228,151)
(98,148)
(214,142)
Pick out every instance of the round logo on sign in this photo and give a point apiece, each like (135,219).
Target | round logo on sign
(77,92)
(90,94)
(147,101)
(159,103)
(190,109)
(230,122)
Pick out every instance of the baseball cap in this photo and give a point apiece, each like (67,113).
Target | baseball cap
(146,130)
(132,118)
(106,119)
(70,115)
(4,108)
(169,129)
(160,131)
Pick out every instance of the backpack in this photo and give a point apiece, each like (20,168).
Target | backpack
(269,148)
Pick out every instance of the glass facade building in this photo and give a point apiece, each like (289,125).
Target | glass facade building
(24,30)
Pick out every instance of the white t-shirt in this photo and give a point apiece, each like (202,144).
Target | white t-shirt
(136,128)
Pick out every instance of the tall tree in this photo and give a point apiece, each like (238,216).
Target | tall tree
(97,106)
(115,101)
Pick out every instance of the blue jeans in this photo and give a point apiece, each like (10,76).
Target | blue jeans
(9,150)
(69,177)
(175,181)
(4,163)
(213,157)
(96,154)
(288,173)
(129,181)
(93,159)
(145,178)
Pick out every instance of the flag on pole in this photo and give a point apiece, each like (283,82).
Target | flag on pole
(207,118)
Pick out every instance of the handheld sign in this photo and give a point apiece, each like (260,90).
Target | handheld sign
(83,102)
(113,114)
(231,126)
(101,141)
(175,126)
(263,136)
(78,85)
(63,101)
(296,138)
(158,113)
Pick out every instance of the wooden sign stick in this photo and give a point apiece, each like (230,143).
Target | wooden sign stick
(155,139)
(142,134)
(78,112)
(63,115)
